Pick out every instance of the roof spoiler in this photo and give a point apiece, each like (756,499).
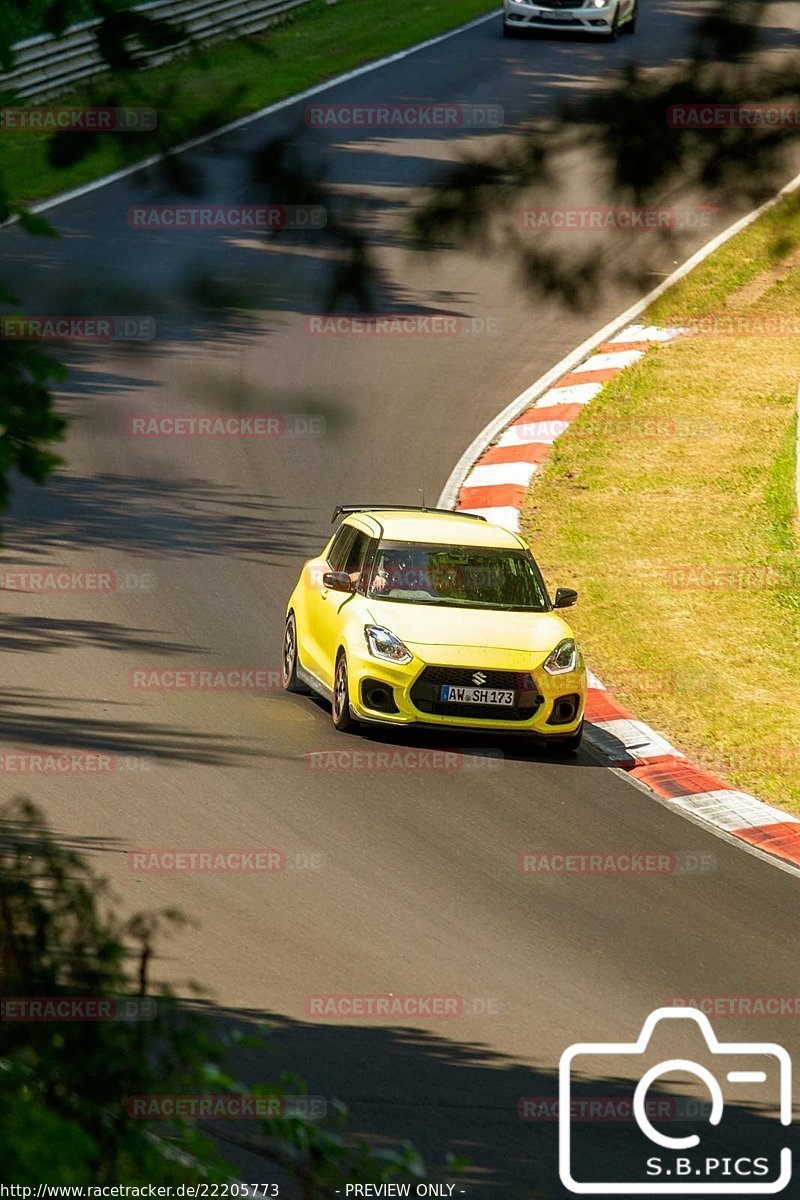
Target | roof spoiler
(346,509)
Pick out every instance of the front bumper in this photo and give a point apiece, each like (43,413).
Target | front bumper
(598,21)
(413,689)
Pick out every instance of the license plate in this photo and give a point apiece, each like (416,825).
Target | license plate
(554,17)
(475,695)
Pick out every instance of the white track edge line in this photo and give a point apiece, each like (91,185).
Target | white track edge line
(525,399)
(600,759)
(277,106)
(783,864)
(594,753)
(484,440)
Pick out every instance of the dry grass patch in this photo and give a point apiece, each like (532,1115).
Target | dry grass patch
(670,504)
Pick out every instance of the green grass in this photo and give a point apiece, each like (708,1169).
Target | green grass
(231,79)
(781,495)
(636,521)
(755,254)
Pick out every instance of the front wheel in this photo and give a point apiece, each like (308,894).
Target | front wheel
(340,705)
(289,677)
(566,745)
(630,26)
(613,32)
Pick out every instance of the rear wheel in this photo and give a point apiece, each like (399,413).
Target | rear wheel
(566,745)
(289,678)
(340,705)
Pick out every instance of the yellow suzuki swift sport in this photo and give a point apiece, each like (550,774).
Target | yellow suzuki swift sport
(415,616)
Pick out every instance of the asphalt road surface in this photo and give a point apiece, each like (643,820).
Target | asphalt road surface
(406,881)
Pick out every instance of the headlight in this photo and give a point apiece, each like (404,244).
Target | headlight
(597,3)
(383,644)
(563,659)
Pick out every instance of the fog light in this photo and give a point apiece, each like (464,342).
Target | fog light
(378,695)
(565,710)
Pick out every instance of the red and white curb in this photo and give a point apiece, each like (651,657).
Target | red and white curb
(653,762)
(498,481)
(495,487)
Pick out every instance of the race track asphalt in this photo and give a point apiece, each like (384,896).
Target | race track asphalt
(418,889)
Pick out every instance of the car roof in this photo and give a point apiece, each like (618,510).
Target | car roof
(442,528)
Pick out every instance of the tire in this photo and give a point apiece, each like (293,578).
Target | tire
(566,745)
(630,26)
(289,678)
(613,32)
(340,705)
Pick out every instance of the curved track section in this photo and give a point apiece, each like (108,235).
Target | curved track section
(416,887)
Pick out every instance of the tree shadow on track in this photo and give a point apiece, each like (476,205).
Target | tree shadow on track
(28,634)
(18,834)
(187,516)
(446,1095)
(35,719)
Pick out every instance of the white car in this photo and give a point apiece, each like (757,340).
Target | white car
(603,18)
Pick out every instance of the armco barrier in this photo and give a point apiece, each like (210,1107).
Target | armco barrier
(47,66)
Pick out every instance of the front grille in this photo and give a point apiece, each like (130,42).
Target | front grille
(425,693)
(559,3)
(462,677)
(478,712)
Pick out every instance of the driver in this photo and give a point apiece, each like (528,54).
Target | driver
(403,571)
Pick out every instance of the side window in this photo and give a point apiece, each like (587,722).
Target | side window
(356,553)
(340,546)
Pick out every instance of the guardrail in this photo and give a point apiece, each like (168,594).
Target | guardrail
(47,66)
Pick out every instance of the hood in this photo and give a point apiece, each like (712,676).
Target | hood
(432,625)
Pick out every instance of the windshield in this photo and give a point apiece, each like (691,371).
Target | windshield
(463,576)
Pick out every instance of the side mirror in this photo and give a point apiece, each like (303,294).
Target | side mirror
(338,581)
(565,597)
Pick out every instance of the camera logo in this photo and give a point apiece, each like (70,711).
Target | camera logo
(714,1161)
